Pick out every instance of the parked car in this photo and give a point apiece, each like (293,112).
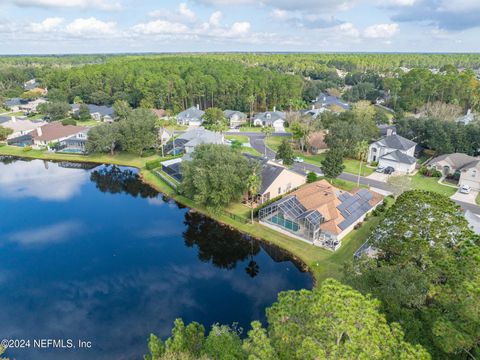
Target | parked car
(298,159)
(465,189)
(388,170)
(380,169)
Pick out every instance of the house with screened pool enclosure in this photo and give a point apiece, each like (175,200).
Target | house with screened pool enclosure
(319,213)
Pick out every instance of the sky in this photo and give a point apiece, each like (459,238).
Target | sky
(113,26)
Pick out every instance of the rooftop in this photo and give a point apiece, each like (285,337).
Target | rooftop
(56,130)
(396,142)
(455,160)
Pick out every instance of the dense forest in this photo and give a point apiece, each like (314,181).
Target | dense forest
(249,81)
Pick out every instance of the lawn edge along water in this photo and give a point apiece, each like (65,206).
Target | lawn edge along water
(321,263)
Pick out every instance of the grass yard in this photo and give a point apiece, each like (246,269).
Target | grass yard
(273,142)
(351,165)
(240,138)
(477,200)
(117,159)
(250,150)
(251,129)
(420,182)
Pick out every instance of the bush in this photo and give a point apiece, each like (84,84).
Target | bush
(311,177)
(153,164)
(27,148)
(69,122)
(358,225)
(148,153)
(374,163)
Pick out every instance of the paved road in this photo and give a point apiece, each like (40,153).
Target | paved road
(258,143)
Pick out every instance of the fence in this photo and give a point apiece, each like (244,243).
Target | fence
(164,177)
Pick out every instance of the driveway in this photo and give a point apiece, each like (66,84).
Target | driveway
(466,198)
(378,177)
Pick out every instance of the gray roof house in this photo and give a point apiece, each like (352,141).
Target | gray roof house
(273,118)
(235,118)
(191,116)
(467,118)
(468,167)
(195,137)
(324,101)
(98,112)
(473,221)
(395,151)
(386,129)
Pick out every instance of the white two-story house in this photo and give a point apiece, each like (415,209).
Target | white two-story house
(395,151)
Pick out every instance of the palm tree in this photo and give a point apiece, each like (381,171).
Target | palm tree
(361,152)
(267,131)
(253,185)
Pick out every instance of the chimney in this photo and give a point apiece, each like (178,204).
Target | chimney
(14,119)
(313,107)
(39,131)
(469,111)
(198,107)
(274,108)
(389,131)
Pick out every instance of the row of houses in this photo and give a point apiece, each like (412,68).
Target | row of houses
(316,213)
(40,134)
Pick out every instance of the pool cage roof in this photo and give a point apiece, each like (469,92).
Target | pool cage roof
(294,210)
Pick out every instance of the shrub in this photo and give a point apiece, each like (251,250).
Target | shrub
(27,148)
(69,122)
(374,163)
(148,153)
(311,177)
(153,164)
(358,225)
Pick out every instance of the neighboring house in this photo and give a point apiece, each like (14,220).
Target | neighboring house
(276,180)
(235,118)
(473,221)
(319,213)
(395,151)
(32,106)
(54,133)
(326,101)
(387,130)
(14,104)
(76,144)
(21,127)
(470,175)
(468,118)
(30,85)
(275,119)
(465,166)
(164,135)
(449,164)
(190,139)
(97,112)
(316,142)
(313,112)
(192,116)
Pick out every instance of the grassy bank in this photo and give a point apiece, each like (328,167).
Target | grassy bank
(322,263)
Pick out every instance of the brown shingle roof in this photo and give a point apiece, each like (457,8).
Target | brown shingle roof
(55,131)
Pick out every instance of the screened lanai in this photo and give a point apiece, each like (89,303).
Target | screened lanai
(289,214)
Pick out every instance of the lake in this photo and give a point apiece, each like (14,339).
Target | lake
(91,253)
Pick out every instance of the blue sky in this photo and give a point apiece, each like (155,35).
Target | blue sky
(93,26)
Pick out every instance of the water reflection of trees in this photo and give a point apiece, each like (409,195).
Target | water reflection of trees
(220,245)
(114,180)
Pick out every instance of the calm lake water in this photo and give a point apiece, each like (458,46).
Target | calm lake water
(94,254)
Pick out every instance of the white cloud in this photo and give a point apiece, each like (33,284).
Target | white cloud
(347,30)
(215,19)
(299,5)
(397,3)
(381,31)
(183,10)
(49,24)
(157,27)
(97,4)
(280,14)
(91,27)
(240,28)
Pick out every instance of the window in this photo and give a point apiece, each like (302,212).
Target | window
(279,190)
(474,173)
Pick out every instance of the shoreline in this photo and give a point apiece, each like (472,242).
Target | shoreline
(321,263)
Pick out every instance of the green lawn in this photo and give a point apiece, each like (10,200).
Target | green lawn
(117,159)
(420,182)
(250,150)
(273,142)
(240,138)
(351,165)
(346,185)
(251,129)
(477,200)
